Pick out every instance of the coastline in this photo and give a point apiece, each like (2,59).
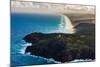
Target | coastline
(74,12)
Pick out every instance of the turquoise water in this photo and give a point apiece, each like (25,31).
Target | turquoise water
(23,24)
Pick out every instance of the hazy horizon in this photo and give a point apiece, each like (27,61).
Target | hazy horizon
(84,2)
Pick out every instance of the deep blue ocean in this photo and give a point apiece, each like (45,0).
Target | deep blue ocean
(24,24)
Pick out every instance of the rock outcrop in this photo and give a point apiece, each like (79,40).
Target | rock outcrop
(61,47)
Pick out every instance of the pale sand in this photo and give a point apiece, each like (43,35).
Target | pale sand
(31,7)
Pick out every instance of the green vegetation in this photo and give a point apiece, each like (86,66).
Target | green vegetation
(61,47)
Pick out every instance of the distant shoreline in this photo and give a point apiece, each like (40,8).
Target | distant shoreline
(46,7)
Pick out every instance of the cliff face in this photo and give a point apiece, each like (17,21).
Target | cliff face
(61,47)
(85,28)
